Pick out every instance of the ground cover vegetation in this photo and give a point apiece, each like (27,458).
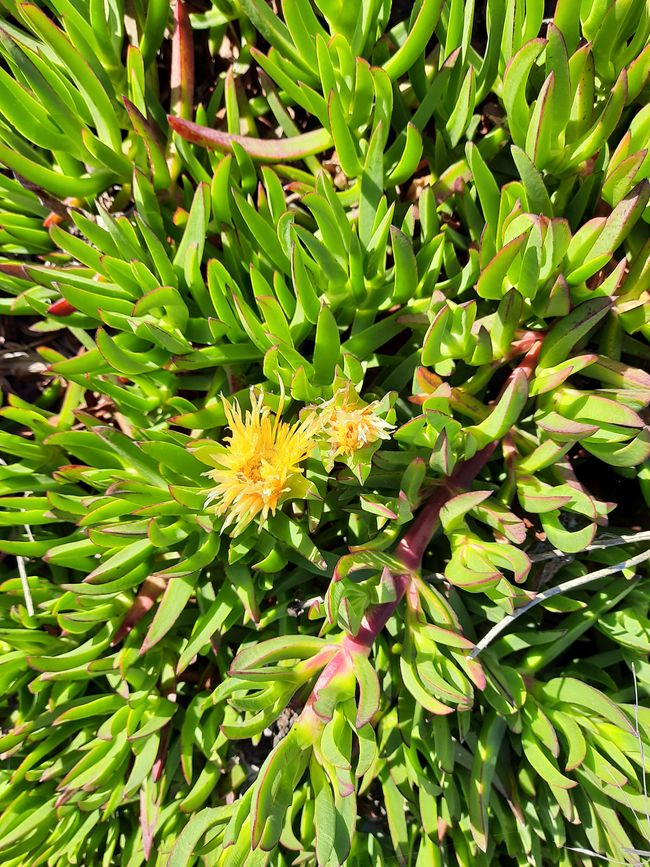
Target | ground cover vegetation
(325,467)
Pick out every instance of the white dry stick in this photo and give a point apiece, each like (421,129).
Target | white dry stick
(604,541)
(27,593)
(593,854)
(573,584)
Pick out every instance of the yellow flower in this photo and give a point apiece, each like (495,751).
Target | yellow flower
(260,466)
(352,426)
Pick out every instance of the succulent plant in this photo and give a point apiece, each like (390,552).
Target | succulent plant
(325,433)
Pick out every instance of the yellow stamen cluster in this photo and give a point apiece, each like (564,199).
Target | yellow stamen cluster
(349,428)
(258,467)
(261,465)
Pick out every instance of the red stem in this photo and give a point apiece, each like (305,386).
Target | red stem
(524,342)
(529,362)
(410,551)
(411,548)
(413,544)
(182,70)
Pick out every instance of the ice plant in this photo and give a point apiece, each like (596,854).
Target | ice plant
(258,468)
(349,424)
(419,232)
(351,430)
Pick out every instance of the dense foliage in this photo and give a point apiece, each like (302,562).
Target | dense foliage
(325,327)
